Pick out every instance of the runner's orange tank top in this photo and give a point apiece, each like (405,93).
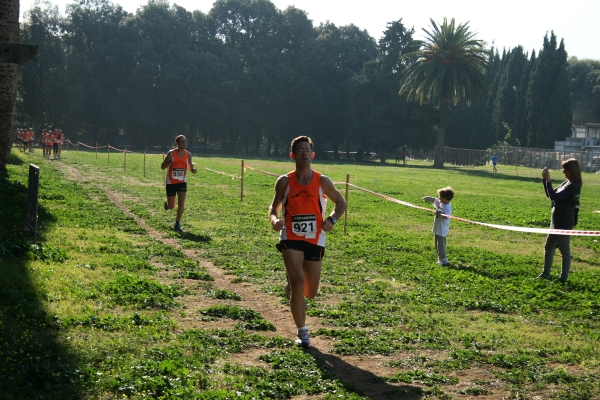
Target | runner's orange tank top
(178,168)
(303,209)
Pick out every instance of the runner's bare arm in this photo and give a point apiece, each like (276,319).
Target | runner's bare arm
(168,160)
(191,164)
(334,195)
(275,207)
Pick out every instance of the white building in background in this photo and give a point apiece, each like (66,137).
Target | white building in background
(583,138)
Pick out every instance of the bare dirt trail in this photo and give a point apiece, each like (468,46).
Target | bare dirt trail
(361,372)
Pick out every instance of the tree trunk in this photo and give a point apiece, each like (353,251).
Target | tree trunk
(9,33)
(438,161)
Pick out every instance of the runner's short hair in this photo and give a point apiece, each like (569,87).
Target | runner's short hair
(300,139)
(179,137)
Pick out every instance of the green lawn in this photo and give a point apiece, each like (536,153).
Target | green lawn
(97,311)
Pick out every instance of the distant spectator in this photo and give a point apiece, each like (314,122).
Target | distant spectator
(494,162)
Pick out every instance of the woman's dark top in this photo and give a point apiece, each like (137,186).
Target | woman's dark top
(565,199)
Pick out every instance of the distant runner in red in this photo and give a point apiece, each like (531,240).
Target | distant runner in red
(177,161)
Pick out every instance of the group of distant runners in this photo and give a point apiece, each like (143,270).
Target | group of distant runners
(24,140)
(50,140)
(298,213)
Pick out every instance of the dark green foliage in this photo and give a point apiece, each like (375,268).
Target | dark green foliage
(548,99)
(46,253)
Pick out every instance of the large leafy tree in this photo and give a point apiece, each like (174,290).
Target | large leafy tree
(43,82)
(450,67)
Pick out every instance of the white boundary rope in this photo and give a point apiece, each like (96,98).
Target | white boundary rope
(543,231)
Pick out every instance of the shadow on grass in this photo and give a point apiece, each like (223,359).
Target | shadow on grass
(34,363)
(365,382)
(192,237)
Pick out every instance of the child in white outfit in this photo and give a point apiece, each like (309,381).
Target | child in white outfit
(441,224)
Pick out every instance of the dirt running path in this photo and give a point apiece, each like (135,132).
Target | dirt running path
(362,372)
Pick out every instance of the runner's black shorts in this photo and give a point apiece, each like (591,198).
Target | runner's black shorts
(55,146)
(174,188)
(312,252)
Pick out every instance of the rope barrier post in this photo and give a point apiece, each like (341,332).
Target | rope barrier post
(346,212)
(242,185)
(108,151)
(144,164)
(78,147)
(96,150)
(124,159)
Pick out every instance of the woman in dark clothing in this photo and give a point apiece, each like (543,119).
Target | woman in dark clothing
(565,206)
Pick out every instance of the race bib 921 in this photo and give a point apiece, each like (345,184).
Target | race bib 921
(305,225)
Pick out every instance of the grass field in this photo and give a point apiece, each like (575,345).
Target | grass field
(114,304)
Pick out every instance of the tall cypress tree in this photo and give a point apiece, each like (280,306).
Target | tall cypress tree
(486,127)
(506,101)
(522,129)
(557,119)
(548,123)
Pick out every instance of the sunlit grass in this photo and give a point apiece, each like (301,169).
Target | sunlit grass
(382,292)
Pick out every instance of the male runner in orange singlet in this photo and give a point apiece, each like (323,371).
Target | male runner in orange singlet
(298,212)
(177,161)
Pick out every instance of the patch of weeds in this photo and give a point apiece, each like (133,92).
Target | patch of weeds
(195,275)
(222,294)
(239,280)
(231,312)
(144,293)
(252,319)
(420,376)
(475,391)
(407,362)
(46,253)
(110,323)
(534,374)
(208,345)
(256,325)
(384,342)
(578,391)
(128,263)
(519,361)
(159,373)
(437,392)
(297,373)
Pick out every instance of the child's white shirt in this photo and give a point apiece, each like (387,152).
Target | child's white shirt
(441,225)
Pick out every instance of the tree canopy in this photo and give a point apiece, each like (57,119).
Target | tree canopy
(247,77)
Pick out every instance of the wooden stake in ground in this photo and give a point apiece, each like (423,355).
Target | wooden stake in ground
(242,185)
(346,212)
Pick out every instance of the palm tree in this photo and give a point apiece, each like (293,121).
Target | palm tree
(9,33)
(450,66)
